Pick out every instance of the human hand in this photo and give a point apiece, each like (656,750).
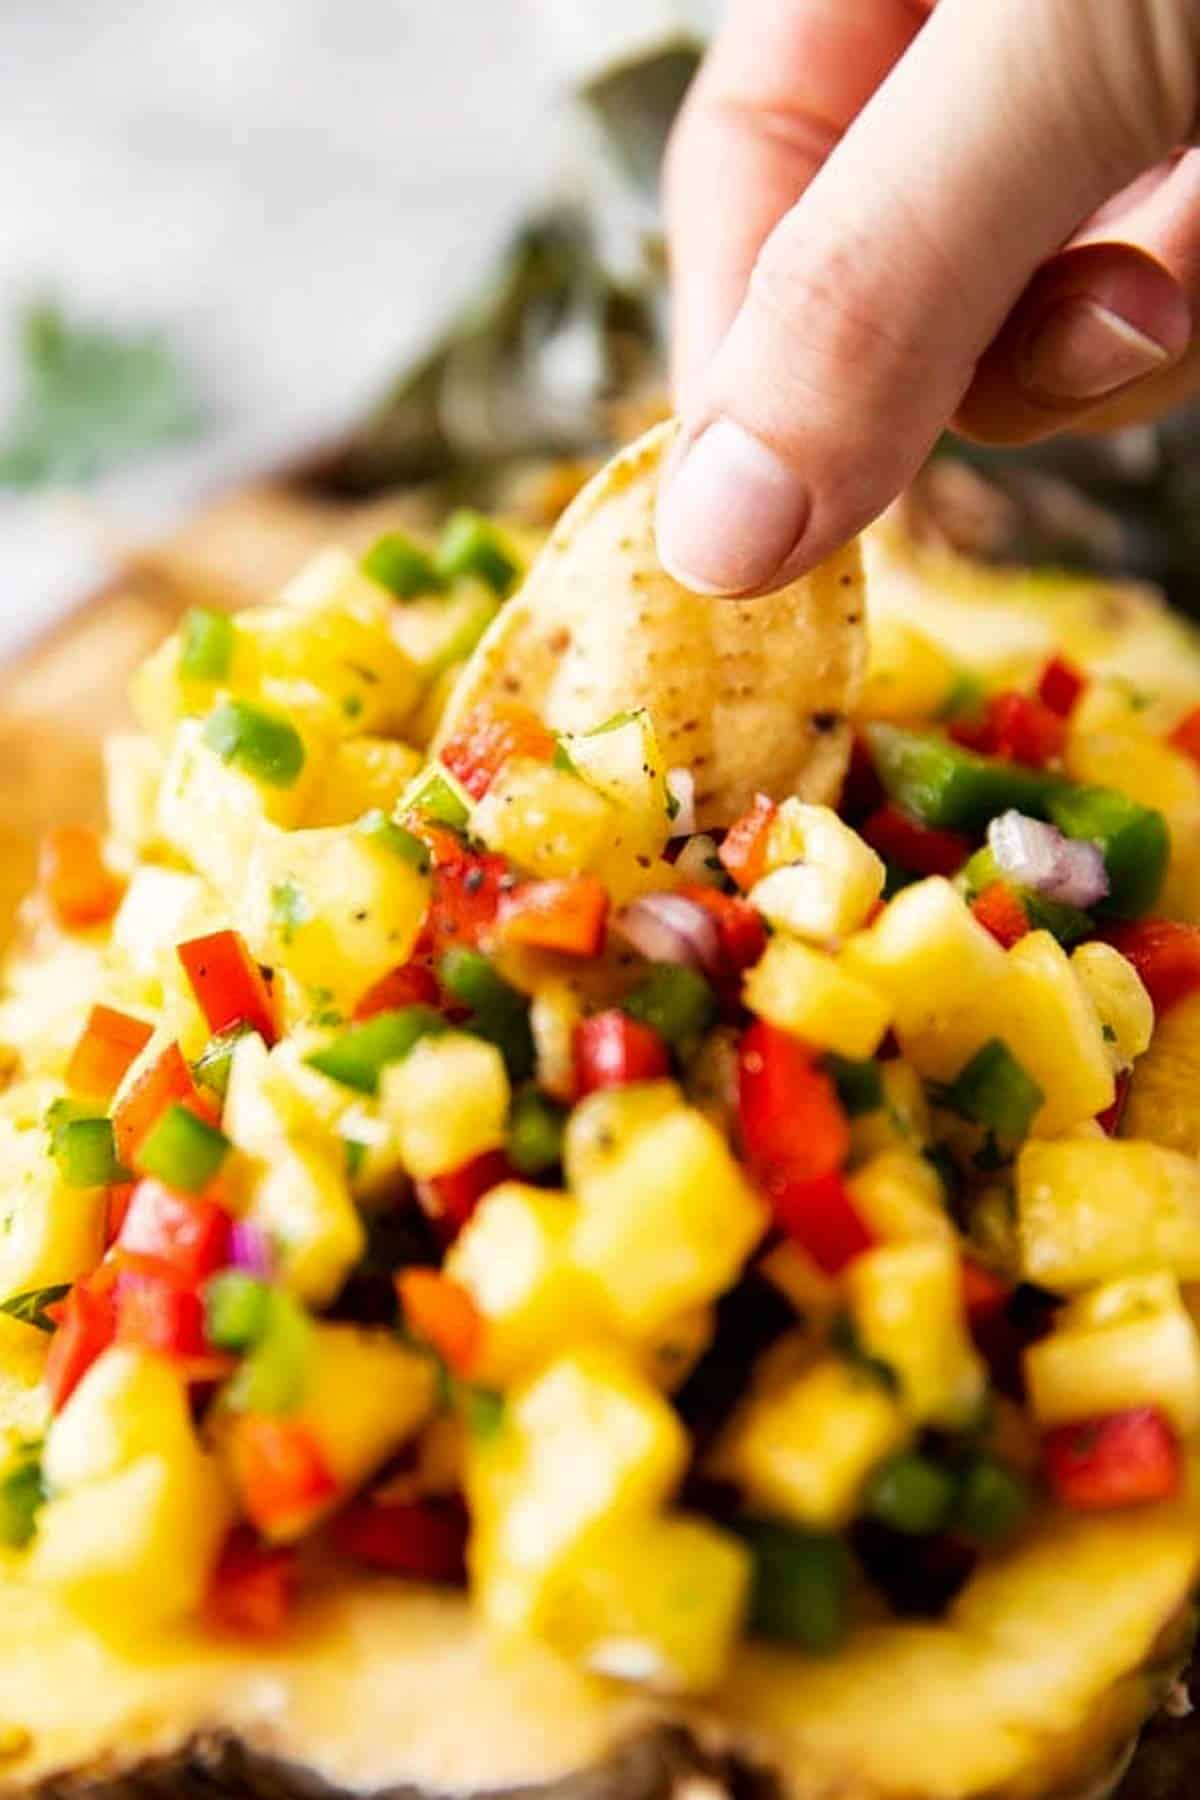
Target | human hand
(884,218)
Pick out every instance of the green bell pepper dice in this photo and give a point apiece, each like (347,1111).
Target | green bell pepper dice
(943,785)
(1133,840)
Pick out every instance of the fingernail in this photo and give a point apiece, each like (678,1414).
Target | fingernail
(1081,350)
(730,513)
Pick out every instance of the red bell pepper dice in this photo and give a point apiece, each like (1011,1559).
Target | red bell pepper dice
(1061,686)
(1000,911)
(111,1042)
(1186,735)
(157,1311)
(229,986)
(1118,1459)
(252,1588)
(792,1122)
(921,849)
(487,738)
(467,886)
(443,1315)
(742,934)
(567,915)
(282,1476)
(819,1213)
(86,1326)
(167,1082)
(413,984)
(188,1233)
(425,1540)
(612,1050)
(449,1200)
(984,1294)
(80,887)
(1165,953)
(743,851)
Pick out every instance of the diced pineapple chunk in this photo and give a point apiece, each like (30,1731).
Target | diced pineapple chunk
(133,767)
(447,1102)
(1129,1343)
(584,1445)
(337,908)
(622,761)
(554,1014)
(135,1550)
(671,1353)
(1117,992)
(822,880)
(902,1122)
(657,1602)
(302,1202)
(366,1396)
(907,1304)
(815,1295)
(1161,1106)
(810,993)
(1050,1024)
(909,677)
(548,821)
(602,1127)
(940,970)
(49,1233)
(899,1195)
(437,631)
(1090,1210)
(363,774)
(513,1258)
(668,1224)
(128,1405)
(161,909)
(805,1448)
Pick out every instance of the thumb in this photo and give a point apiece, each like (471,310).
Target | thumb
(998,131)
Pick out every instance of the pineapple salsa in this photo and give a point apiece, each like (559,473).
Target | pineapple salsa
(457,1164)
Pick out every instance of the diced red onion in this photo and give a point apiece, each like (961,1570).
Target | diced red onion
(1037,856)
(249,1249)
(681,785)
(670,928)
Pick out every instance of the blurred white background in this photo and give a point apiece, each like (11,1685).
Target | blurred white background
(296,191)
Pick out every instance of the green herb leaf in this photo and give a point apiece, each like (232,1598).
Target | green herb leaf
(31,1307)
(91,399)
(22,1495)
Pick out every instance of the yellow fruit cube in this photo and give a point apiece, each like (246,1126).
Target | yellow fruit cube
(548,821)
(907,1304)
(584,1445)
(810,993)
(513,1258)
(1090,1210)
(899,1195)
(337,908)
(161,909)
(940,970)
(367,1394)
(133,768)
(1050,1024)
(602,1127)
(129,1404)
(816,1296)
(804,1449)
(672,1352)
(822,880)
(447,1102)
(902,1122)
(669,1223)
(622,761)
(909,677)
(554,1013)
(49,1233)
(302,1202)
(363,774)
(437,632)
(1162,1095)
(1130,1343)
(1118,994)
(658,1602)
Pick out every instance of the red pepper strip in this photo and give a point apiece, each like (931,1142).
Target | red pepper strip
(425,1540)
(187,1233)
(792,1123)
(1165,953)
(612,1050)
(157,1311)
(567,915)
(449,1200)
(1118,1459)
(1061,686)
(281,1473)
(999,909)
(820,1215)
(229,986)
(487,738)
(81,889)
(166,1082)
(86,1325)
(111,1042)
(1016,727)
(252,1588)
(743,851)
(1110,1119)
(742,934)
(410,985)
(467,886)
(921,849)
(442,1314)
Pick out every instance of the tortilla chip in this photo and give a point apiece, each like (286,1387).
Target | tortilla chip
(749,694)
